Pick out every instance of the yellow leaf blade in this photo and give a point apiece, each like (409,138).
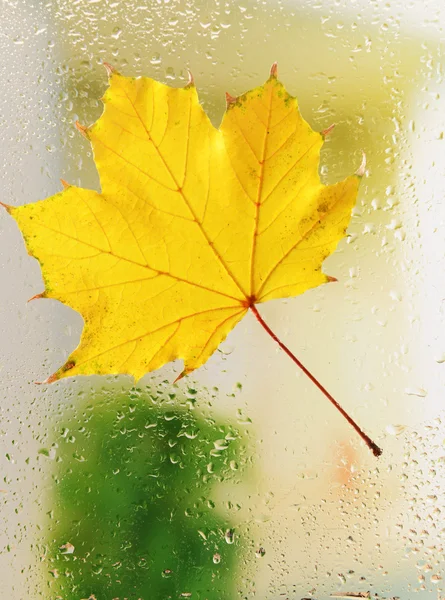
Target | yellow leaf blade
(123,301)
(297,266)
(193,224)
(276,154)
(192,337)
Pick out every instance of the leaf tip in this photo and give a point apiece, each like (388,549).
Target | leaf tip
(274,70)
(362,168)
(58,374)
(65,184)
(331,279)
(191,79)
(109,69)
(48,380)
(230,100)
(183,373)
(6,207)
(82,129)
(38,296)
(328,130)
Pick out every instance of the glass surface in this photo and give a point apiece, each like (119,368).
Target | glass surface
(240,481)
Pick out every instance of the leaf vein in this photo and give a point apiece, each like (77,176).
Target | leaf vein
(165,342)
(215,331)
(125,259)
(152,331)
(302,238)
(188,204)
(258,201)
(294,164)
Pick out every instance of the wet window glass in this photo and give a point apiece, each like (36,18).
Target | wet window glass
(240,480)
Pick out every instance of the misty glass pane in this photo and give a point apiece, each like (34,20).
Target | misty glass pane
(241,480)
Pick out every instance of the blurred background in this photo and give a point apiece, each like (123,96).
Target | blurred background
(309,511)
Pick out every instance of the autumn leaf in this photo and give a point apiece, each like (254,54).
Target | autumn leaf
(194,225)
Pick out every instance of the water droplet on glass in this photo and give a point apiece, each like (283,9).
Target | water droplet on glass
(416,391)
(67,548)
(395,429)
(229,536)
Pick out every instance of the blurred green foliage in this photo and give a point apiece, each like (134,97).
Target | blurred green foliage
(133,489)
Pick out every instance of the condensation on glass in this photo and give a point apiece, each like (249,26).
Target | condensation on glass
(241,481)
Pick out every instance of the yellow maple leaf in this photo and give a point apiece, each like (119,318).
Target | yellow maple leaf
(194,225)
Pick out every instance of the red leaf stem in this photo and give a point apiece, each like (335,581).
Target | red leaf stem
(371,445)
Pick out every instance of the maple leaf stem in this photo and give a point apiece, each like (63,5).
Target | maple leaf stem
(371,445)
